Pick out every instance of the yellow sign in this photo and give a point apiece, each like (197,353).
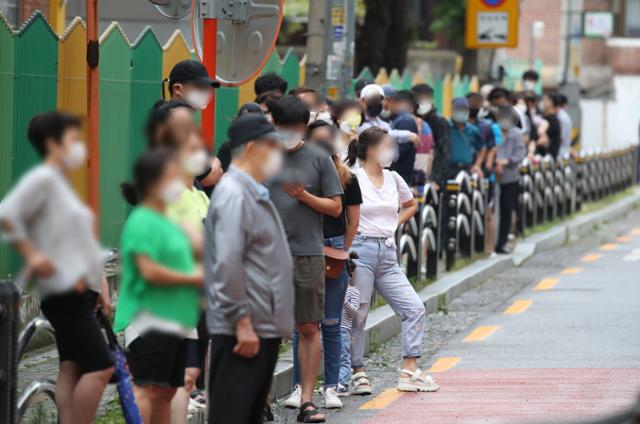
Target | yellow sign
(492,24)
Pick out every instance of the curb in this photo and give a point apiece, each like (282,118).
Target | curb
(383,323)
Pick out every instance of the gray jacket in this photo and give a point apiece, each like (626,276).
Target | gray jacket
(248,268)
(514,150)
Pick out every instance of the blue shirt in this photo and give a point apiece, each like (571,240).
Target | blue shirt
(465,143)
(262,190)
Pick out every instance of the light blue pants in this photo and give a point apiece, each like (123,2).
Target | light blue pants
(345,356)
(378,269)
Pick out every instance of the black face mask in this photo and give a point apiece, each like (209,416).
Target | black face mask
(374,110)
(473,113)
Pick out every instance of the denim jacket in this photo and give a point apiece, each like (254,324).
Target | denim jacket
(248,267)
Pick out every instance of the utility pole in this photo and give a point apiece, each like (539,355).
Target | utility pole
(330,46)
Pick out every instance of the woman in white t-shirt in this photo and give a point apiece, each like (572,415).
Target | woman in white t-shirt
(387,203)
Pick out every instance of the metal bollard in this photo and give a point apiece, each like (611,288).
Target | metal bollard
(464,212)
(451,230)
(428,243)
(9,317)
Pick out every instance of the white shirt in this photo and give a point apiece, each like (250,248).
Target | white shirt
(565,129)
(380,207)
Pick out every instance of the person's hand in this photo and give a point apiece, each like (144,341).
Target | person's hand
(197,277)
(41,265)
(436,186)
(248,344)
(104,299)
(477,170)
(295,191)
(415,139)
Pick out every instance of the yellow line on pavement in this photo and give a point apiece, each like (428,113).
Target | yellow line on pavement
(444,364)
(480,333)
(546,284)
(518,307)
(382,400)
(624,239)
(591,257)
(608,246)
(571,271)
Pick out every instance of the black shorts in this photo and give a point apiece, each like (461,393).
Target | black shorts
(78,334)
(157,359)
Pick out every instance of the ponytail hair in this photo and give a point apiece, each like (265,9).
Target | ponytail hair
(147,171)
(370,137)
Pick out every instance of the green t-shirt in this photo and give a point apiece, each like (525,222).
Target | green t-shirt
(150,233)
(192,208)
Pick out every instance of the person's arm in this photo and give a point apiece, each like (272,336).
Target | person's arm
(353,221)
(352,303)
(518,150)
(404,136)
(158,274)
(212,177)
(408,211)
(331,206)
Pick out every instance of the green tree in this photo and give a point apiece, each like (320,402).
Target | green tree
(449,20)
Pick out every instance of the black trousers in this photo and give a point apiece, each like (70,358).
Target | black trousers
(238,387)
(508,203)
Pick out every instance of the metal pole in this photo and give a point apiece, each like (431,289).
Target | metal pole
(209,58)
(316,57)
(93,108)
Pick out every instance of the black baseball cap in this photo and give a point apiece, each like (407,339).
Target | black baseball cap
(191,71)
(249,127)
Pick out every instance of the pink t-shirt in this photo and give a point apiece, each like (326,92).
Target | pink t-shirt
(380,206)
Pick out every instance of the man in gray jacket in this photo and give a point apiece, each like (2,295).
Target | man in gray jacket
(248,276)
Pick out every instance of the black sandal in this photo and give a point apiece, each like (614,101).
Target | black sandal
(306,415)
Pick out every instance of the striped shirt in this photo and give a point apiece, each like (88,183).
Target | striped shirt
(351,305)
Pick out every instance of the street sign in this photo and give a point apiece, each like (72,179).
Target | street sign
(246,35)
(492,24)
(172,9)
(598,24)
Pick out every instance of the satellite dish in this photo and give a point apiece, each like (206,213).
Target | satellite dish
(172,9)
(247,33)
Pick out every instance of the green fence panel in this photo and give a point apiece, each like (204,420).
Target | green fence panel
(395,79)
(407,80)
(7,100)
(274,64)
(437,87)
(291,68)
(115,162)
(146,83)
(226,109)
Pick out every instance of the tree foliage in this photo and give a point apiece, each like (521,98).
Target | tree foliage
(449,19)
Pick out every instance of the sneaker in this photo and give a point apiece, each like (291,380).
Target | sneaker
(197,405)
(295,398)
(331,399)
(343,390)
(417,382)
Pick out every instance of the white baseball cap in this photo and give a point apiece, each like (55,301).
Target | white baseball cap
(371,90)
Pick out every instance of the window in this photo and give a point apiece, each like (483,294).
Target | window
(9,8)
(631,24)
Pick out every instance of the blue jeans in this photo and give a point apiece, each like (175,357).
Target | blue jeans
(377,267)
(335,289)
(345,357)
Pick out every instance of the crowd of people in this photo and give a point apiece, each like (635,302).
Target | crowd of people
(284,234)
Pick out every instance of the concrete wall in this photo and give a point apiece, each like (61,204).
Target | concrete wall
(615,122)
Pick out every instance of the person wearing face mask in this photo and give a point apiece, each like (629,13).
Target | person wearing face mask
(190,83)
(224,152)
(307,189)
(377,264)
(189,212)
(401,117)
(530,80)
(51,228)
(372,99)
(467,149)
(159,294)
(510,154)
(550,130)
(348,116)
(440,128)
(249,275)
(338,233)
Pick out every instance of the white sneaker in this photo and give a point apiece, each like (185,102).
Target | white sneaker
(295,398)
(418,382)
(331,400)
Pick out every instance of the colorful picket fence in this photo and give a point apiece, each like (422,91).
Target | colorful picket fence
(41,70)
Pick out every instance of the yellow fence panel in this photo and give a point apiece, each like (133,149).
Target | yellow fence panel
(72,86)
(447,95)
(383,77)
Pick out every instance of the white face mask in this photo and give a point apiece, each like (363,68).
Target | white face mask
(460,116)
(341,148)
(196,163)
(197,99)
(324,116)
(424,108)
(521,107)
(273,165)
(172,192)
(292,139)
(77,155)
(385,114)
(386,157)
(529,85)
